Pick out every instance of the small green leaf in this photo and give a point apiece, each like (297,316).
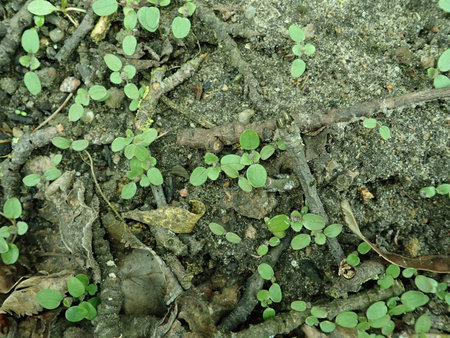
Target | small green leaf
(231,164)
(441,81)
(432,72)
(364,248)
(265,271)
(79,145)
(313,222)
(115,78)
(327,326)
(181,27)
(263,295)
(376,310)
(298,68)
(129,44)
(128,191)
(82,97)
(210,158)
(444,61)
(262,250)
(370,123)
(409,272)
(297,50)
(52,174)
(386,282)
(444,5)
(141,153)
(130,71)
(75,287)
(198,176)
(426,284)
(353,259)
(131,91)
(105,7)
(423,324)
(92,289)
(427,192)
(41,7)
(300,241)
(281,145)
(333,230)
(130,18)
(216,229)
(98,93)
(309,49)
(232,237)
(347,319)
(414,298)
(32,83)
(61,142)
(296,33)
(320,238)
(120,143)
(113,62)
(385,132)
(318,312)
(213,173)
(267,151)
(257,175)
(275,292)
(443,189)
(393,270)
(244,184)
(49,299)
(57,159)
(149,18)
(12,208)
(154,176)
(31,180)
(75,112)
(83,279)
(3,244)
(268,313)
(278,223)
(249,139)
(76,313)
(380,322)
(11,256)
(311,321)
(30,41)
(90,309)
(298,305)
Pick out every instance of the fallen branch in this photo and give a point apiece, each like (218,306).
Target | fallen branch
(215,138)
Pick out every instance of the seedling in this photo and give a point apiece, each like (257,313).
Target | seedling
(81,291)
(135,150)
(384,131)
(181,25)
(30,43)
(63,143)
(443,65)
(12,210)
(273,295)
(298,35)
(219,230)
(49,175)
(256,175)
(43,7)
(430,191)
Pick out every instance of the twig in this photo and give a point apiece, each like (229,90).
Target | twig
(229,133)
(55,113)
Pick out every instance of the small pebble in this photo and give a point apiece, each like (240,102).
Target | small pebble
(69,85)
(245,116)
(225,88)
(184,192)
(56,35)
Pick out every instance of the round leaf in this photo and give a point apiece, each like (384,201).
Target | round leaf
(414,298)
(443,189)
(267,151)
(75,287)
(393,270)
(232,237)
(80,145)
(278,223)
(32,83)
(423,324)
(11,256)
(320,238)
(313,222)
(31,180)
(444,61)
(257,175)
(128,191)
(441,81)
(262,250)
(364,248)
(76,313)
(3,244)
(333,230)
(130,18)
(154,176)
(75,112)
(408,272)
(30,41)
(376,310)
(268,313)
(41,7)
(120,143)
(149,18)
(83,279)
(198,176)
(181,27)
(265,271)
(309,49)
(210,158)
(61,142)
(426,284)
(249,139)
(370,123)
(49,299)
(386,282)
(90,309)
(298,68)
(347,319)
(298,305)
(296,33)
(131,91)
(300,241)
(327,326)
(113,62)
(213,173)
(12,208)
(52,174)
(427,192)
(385,132)
(98,93)
(129,44)
(130,71)
(216,229)
(263,295)
(444,5)
(105,7)
(244,184)
(275,292)
(353,259)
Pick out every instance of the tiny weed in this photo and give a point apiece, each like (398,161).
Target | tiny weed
(372,123)
(12,210)
(298,35)
(440,80)
(219,230)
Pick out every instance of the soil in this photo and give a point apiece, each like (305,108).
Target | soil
(365,51)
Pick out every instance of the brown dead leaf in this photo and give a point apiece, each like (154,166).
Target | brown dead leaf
(434,263)
(22,300)
(178,220)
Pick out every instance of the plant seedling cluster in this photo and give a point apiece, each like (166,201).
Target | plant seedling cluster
(430,191)
(372,123)
(256,175)
(49,175)
(440,80)
(272,295)
(298,35)
(12,210)
(136,150)
(81,291)
(64,143)
(30,43)
(219,230)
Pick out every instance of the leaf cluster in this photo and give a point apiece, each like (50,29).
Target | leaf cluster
(142,164)
(219,230)
(298,35)
(30,43)
(440,80)
(372,123)
(81,291)
(255,175)
(12,210)
(64,143)
(49,175)
(272,295)
(430,191)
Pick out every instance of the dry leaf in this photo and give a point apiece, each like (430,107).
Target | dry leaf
(178,220)
(22,300)
(434,263)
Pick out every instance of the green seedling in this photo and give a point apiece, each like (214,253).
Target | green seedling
(182,25)
(41,8)
(384,131)
(430,191)
(142,164)
(20,112)
(12,210)
(273,295)
(444,5)
(82,100)
(49,175)
(219,230)
(30,43)
(440,80)
(64,143)
(81,291)
(256,175)
(392,272)
(298,35)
